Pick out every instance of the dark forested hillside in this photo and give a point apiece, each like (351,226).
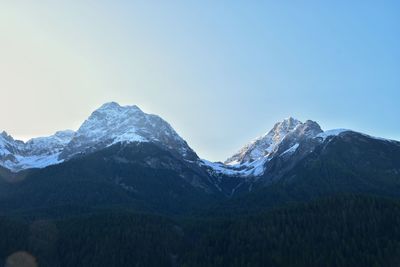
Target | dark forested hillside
(112,239)
(341,231)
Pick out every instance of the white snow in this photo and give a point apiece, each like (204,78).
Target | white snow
(255,168)
(129,137)
(291,150)
(29,162)
(333,132)
(336,132)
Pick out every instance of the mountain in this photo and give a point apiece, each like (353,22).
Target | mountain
(126,190)
(265,145)
(333,163)
(112,123)
(281,141)
(277,165)
(108,125)
(137,160)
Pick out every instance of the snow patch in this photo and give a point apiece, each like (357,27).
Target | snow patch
(333,132)
(29,162)
(255,168)
(291,150)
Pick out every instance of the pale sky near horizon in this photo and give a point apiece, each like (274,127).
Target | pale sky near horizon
(220,72)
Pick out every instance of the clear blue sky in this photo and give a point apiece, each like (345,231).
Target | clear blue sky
(221,72)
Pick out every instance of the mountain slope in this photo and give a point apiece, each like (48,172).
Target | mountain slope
(343,163)
(139,176)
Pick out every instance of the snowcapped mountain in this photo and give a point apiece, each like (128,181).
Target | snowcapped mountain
(112,123)
(282,141)
(264,145)
(108,125)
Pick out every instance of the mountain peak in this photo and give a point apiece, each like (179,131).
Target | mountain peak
(282,128)
(264,146)
(112,123)
(114,106)
(5,135)
(110,105)
(291,120)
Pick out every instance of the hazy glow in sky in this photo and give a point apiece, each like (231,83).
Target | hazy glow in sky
(221,72)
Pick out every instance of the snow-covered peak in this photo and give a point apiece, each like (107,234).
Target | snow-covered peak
(112,123)
(265,144)
(282,140)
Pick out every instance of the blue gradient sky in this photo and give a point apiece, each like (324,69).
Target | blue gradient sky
(221,72)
